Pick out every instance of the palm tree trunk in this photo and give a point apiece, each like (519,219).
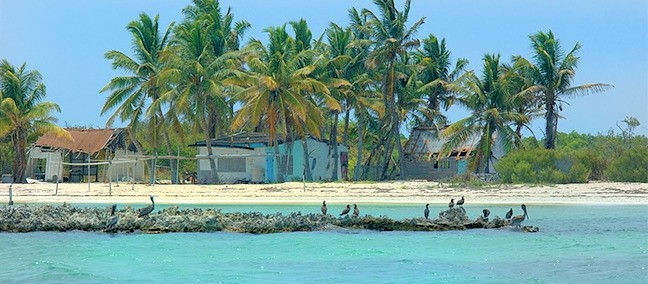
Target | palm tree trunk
(278,159)
(550,131)
(357,172)
(347,114)
(307,171)
(333,145)
(213,178)
(172,162)
(20,155)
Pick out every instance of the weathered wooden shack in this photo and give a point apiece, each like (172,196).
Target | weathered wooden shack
(53,158)
(424,157)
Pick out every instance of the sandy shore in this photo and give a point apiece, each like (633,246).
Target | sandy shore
(405,192)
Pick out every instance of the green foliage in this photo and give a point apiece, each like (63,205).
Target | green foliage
(631,166)
(542,166)
(6,155)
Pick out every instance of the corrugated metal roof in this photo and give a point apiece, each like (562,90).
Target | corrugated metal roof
(84,140)
(424,143)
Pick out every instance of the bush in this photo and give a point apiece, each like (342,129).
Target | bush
(631,166)
(542,166)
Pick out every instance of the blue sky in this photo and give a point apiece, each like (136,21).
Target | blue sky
(66,40)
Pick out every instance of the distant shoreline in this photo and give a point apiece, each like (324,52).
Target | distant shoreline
(396,192)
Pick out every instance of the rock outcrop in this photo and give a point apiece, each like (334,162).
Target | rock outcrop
(172,219)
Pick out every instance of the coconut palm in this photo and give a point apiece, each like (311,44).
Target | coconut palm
(273,88)
(22,112)
(133,96)
(204,45)
(438,77)
(552,71)
(391,40)
(490,101)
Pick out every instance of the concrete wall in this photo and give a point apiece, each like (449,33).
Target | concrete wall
(132,171)
(320,160)
(53,164)
(254,165)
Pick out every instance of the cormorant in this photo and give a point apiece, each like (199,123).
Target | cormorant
(426,212)
(509,214)
(324,209)
(486,213)
(461,201)
(356,211)
(346,210)
(148,209)
(451,204)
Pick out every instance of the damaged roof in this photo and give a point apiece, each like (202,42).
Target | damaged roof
(426,144)
(84,140)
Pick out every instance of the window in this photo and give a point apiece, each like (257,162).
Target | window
(231,165)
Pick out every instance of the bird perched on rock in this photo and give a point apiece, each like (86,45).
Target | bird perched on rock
(426,212)
(517,220)
(324,208)
(461,201)
(451,204)
(356,211)
(346,210)
(486,213)
(112,220)
(148,209)
(509,214)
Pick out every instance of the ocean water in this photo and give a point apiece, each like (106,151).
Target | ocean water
(589,244)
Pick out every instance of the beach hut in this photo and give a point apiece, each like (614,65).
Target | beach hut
(53,158)
(424,158)
(247,157)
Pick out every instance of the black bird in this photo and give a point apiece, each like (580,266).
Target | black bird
(148,209)
(356,211)
(451,204)
(461,201)
(346,210)
(112,221)
(517,220)
(486,213)
(426,212)
(324,209)
(509,214)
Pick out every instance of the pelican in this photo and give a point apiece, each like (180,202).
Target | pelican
(451,204)
(509,214)
(346,210)
(461,201)
(426,212)
(148,209)
(112,221)
(517,220)
(486,213)
(324,209)
(356,211)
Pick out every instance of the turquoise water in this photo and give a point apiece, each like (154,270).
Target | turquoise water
(593,244)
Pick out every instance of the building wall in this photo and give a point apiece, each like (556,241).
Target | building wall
(126,171)
(446,168)
(320,161)
(254,164)
(53,163)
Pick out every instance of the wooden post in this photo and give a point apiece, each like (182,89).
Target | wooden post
(110,177)
(11,194)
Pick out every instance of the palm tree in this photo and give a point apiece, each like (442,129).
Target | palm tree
(135,96)
(204,45)
(552,71)
(23,113)
(273,88)
(391,40)
(438,77)
(490,101)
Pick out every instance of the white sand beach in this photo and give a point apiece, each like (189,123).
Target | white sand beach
(401,192)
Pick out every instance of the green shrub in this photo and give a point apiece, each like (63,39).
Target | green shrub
(631,166)
(542,166)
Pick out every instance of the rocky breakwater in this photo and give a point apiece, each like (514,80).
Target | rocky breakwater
(173,219)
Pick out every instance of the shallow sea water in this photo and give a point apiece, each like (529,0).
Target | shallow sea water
(593,244)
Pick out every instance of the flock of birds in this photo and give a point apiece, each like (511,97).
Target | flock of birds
(513,220)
